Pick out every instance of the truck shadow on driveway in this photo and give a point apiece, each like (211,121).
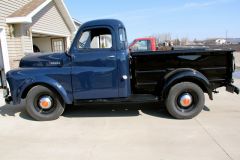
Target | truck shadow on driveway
(123,110)
(12,111)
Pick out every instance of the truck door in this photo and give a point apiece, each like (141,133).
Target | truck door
(94,65)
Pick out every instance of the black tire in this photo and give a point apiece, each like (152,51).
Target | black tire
(174,106)
(38,113)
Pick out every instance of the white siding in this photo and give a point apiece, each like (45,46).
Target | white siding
(237,58)
(27,46)
(8,7)
(27,39)
(15,49)
(49,20)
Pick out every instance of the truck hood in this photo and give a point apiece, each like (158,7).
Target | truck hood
(43,60)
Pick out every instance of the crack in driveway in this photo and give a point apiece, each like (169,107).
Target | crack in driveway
(214,140)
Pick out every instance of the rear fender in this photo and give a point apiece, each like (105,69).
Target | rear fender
(186,75)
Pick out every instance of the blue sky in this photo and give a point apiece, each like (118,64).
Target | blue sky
(199,19)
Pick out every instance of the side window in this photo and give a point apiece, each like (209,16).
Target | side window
(100,38)
(123,38)
(143,45)
(85,37)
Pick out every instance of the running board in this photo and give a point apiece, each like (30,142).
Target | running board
(135,98)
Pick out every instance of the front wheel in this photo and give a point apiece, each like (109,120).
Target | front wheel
(42,104)
(185,100)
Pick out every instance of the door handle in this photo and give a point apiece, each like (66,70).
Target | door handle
(111,57)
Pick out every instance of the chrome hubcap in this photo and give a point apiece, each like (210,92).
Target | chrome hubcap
(45,102)
(186,100)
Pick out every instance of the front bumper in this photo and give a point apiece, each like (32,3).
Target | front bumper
(8,100)
(6,95)
(5,92)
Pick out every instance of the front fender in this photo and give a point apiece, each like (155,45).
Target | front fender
(185,74)
(31,82)
(28,83)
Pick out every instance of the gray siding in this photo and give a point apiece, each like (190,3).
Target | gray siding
(50,20)
(15,48)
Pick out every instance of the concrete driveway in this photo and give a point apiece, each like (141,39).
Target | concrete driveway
(129,132)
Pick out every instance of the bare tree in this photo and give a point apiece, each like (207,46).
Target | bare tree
(184,41)
(176,42)
(162,37)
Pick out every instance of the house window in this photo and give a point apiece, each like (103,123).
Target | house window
(95,39)
(58,45)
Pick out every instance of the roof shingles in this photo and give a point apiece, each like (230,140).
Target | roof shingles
(27,9)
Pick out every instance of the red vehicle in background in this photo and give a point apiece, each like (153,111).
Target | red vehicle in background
(148,44)
(143,44)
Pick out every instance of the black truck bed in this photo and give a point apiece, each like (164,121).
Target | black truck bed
(149,68)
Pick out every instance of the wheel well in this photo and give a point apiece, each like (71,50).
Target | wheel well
(197,82)
(25,92)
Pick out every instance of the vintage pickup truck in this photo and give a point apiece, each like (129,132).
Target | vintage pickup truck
(98,68)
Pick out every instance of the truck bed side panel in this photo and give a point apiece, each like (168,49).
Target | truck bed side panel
(149,68)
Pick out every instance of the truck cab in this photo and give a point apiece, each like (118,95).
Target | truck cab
(98,68)
(100,61)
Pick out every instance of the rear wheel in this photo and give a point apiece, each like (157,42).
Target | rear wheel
(43,104)
(185,100)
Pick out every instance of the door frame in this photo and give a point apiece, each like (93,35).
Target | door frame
(4,55)
(4,48)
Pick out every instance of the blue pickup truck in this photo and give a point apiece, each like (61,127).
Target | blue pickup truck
(98,68)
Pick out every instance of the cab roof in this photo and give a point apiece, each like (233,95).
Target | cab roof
(103,22)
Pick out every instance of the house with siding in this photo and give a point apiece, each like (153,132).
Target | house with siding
(28,26)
